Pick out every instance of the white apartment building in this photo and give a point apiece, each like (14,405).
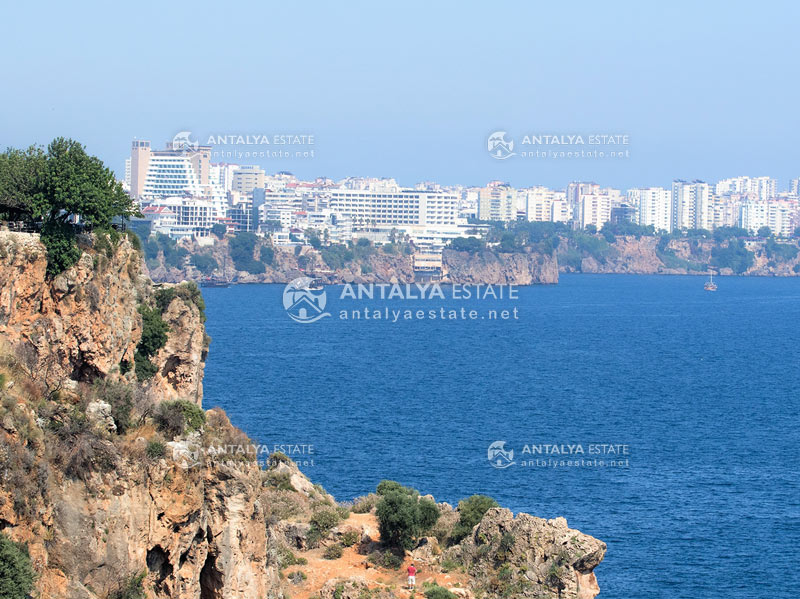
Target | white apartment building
(394,206)
(756,188)
(691,205)
(543,204)
(221,175)
(593,209)
(779,216)
(190,216)
(497,201)
(653,207)
(158,174)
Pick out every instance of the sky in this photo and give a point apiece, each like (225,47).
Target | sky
(412,90)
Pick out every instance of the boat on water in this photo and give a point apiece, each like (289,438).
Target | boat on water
(214,282)
(710,284)
(316,285)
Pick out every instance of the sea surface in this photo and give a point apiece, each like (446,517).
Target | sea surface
(698,391)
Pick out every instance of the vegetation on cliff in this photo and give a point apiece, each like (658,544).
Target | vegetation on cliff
(53,187)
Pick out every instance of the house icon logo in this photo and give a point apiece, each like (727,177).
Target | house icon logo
(304,303)
(183,142)
(499,456)
(499,147)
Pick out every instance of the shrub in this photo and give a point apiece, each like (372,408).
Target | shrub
(343,511)
(280,480)
(155,450)
(204,263)
(267,254)
(333,551)
(219,230)
(392,486)
(154,337)
(132,588)
(471,511)
(120,397)
(362,505)
(16,570)
(242,247)
(325,519)
(87,453)
(386,559)
(336,255)
(466,244)
(402,517)
(434,591)
(287,558)
(350,538)
(176,417)
(297,577)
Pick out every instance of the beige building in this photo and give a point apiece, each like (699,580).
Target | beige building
(247,178)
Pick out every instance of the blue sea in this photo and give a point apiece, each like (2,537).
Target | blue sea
(696,391)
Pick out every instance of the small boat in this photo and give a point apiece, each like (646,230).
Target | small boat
(315,285)
(710,284)
(214,282)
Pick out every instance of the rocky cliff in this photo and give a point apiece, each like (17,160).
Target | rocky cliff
(650,255)
(119,491)
(84,323)
(496,268)
(487,267)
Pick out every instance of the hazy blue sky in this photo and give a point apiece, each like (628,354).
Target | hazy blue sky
(412,89)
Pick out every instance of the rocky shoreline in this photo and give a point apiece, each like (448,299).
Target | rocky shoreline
(114,485)
(626,255)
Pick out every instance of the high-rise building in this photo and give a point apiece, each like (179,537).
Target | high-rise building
(247,178)
(156,174)
(779,216)
(653,207)
(755,188)
(497,201)
(543,204)
(691,205)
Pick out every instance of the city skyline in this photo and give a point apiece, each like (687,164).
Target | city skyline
(701,91)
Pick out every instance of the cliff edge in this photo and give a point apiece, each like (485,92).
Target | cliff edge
(116,484)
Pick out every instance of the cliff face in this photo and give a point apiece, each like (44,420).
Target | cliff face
(485,267)
(498,269)
(116,493)
(632,255)
(538,553)
(195,533)
(84,323)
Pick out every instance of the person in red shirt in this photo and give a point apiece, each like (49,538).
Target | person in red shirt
(412,576)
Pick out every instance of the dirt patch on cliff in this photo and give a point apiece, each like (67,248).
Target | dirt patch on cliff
(354,565)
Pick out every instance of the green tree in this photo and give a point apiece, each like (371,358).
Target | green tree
(54,187)
(16,570)
(21,174)
(219,230)
(764,232)
(471,512)
(403,516)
